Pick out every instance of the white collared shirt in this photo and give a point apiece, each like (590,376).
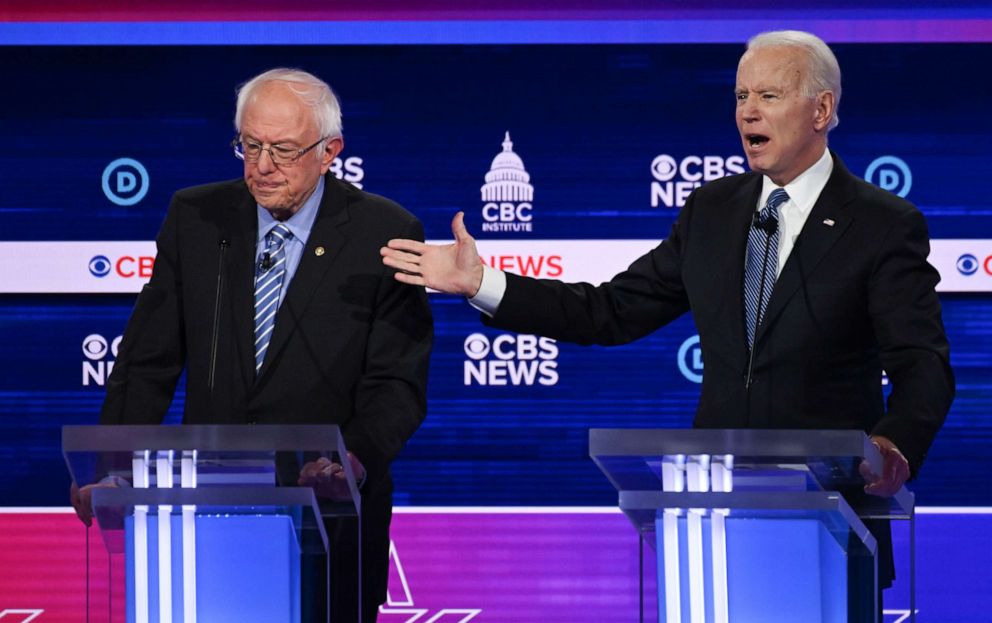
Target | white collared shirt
(803,193)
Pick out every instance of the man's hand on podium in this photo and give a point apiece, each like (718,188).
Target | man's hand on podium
(895,469)
(328,478)
(82,499)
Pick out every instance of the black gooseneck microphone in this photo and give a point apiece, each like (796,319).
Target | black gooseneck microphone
(222,244)
(769,226)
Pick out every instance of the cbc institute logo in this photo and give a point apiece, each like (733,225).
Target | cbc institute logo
(507,194)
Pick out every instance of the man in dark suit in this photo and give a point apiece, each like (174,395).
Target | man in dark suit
(268,290)
(826,276)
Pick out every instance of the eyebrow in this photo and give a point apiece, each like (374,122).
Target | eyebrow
(762,89)
(288,142)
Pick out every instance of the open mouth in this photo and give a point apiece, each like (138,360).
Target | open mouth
(756,140)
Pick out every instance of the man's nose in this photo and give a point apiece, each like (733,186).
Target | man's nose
(749,109)
(265,164)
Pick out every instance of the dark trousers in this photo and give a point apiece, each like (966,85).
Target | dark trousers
(861,573)
(343,538)
(344,578)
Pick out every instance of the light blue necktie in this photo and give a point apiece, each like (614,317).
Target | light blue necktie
(269,275)
(761,267)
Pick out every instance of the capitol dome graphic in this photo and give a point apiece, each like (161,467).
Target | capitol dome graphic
(507,180)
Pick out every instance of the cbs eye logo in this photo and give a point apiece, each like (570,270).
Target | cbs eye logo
(100,266)
(95,346)
(96,367)
(477,346)
(967,264)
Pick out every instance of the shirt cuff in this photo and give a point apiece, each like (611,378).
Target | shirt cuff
(491,292)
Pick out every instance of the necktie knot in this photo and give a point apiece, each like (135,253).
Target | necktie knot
(277,236)
(777,198)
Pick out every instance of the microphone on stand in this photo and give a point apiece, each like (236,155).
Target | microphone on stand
(222,244)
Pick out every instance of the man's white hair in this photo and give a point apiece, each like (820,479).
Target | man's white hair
(824,71)
(314,92)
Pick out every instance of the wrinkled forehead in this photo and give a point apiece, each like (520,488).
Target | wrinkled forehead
(780,67)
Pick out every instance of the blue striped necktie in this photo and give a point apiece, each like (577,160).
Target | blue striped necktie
(761,266)
(269,275)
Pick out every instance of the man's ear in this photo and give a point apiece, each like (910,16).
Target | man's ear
(824,110)
(332,147)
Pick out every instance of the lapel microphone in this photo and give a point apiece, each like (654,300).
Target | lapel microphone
(769,225)
(266,262)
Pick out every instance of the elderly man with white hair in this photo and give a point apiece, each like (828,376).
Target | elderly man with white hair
(804,281)
(269,292)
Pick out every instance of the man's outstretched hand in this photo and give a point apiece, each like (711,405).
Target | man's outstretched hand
(452,268)
(895,469)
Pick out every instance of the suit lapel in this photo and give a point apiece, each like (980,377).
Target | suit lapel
(326,235)
(240,278)
(826,223)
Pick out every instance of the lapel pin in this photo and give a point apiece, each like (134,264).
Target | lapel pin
(828,222)
(318,251)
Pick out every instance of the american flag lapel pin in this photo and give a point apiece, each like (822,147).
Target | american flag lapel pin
(829,222)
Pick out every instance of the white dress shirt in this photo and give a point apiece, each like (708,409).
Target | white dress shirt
(803,193)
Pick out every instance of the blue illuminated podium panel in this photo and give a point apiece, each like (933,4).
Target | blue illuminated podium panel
(206,532)
(750,524)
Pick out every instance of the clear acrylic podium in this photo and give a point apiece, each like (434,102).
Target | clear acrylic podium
(208,518)
(753,525)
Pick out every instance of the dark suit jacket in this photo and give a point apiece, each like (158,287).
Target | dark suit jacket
(350,346)
(853,298)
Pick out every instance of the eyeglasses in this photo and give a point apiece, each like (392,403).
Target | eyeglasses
(251,151)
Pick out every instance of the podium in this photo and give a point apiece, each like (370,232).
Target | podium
(753,525)
(209,519)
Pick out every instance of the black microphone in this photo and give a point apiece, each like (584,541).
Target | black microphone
(222,244)
(266,262)
(769,225)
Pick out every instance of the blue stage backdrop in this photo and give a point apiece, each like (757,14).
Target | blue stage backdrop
(610,137)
